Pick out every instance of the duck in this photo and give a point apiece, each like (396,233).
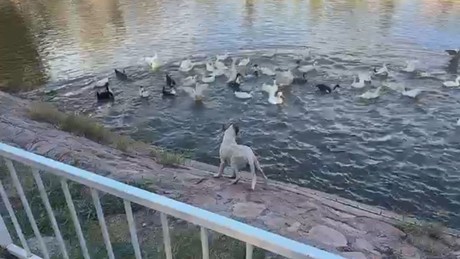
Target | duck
(168,91)
(357,82)
(371,94)
(236,83)
(244,62)
(300,80)
(153,62)
(414,93)
(106,95)
(254,73)
(365,77)
(455,83)
(196,92)
(243,95)
(232,73)
(325,89)
(453,52)
(383,71)
(410,66)
(189,81)
(121,74)
(274,95)
(308,68)
(169,81)
(284,78)
(209,66)
(143,93)
(208,79)
(186,65)
(222,57)
(102,83)
(267,71)
(455,58)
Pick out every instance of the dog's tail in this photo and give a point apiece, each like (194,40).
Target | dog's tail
(258,168)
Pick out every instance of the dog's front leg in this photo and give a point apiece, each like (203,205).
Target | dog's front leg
(221,169)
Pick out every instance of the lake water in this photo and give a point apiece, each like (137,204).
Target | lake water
(395,152)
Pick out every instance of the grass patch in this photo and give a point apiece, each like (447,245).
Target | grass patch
(167,158)
(432,230)
(86,127)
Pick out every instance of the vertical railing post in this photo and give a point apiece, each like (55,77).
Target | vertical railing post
(27,208)
(103,225)
(204,242)
(132,229)
(166,236)
(74,216)
(5,237)
(16,225)
(49,210)
(249,251)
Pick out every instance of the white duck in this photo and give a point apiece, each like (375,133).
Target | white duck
(209,66)
(244,62)
(371,94)
(366,77)
(189,81)
(284,78)
(455,83)
(383,71)
(458,122)
(143,93)
(186,65)
(412,93)
(153,62)
(267,71)
(308,68)
(274,96)
(357,82)
(197,93)
(231,74)
(243,95)
(222,57)
(410,66)
(208,79)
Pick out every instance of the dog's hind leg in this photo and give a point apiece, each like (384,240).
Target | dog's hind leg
(221,169)
(235,173)
(256,162)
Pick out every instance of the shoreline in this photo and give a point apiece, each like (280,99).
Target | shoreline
(329,222)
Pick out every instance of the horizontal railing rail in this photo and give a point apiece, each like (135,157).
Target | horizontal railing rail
(252,236)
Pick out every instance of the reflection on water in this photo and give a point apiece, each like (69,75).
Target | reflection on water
(66,39)
(394,152)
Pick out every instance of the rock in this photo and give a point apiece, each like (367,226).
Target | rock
(408,252)
(51,243)
(377,228)
(327,236)
(363,244)
(354,255)
(248,209)
(294,227)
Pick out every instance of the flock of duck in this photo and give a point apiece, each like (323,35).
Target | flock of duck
(239,72)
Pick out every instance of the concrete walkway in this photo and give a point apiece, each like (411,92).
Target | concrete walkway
(326,221)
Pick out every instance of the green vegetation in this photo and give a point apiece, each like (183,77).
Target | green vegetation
(86,127)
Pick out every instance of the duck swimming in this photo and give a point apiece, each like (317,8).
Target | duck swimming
(121,74)
(153,62)
(383,71)
(325,89)
(186,65)
(274,95)
(168,91)
(267,71)
(308,68)
(197,93)
(244,62)
(169,81)
(235,84)
(410,66)
(284,78)
(105,96)
(189,81)
(455,83)
(242,95)
(143,93)
(357,82)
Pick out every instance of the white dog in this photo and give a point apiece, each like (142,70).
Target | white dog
(237,156)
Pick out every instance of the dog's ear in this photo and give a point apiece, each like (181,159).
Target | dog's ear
(236,128)
(224,127)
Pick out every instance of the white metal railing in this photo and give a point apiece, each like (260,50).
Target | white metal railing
(206,220)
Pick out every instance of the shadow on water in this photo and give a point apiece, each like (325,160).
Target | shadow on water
(21,67)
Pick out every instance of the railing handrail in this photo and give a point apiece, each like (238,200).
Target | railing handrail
(249,234)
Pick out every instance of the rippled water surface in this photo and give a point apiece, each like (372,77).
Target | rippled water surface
(395,152)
